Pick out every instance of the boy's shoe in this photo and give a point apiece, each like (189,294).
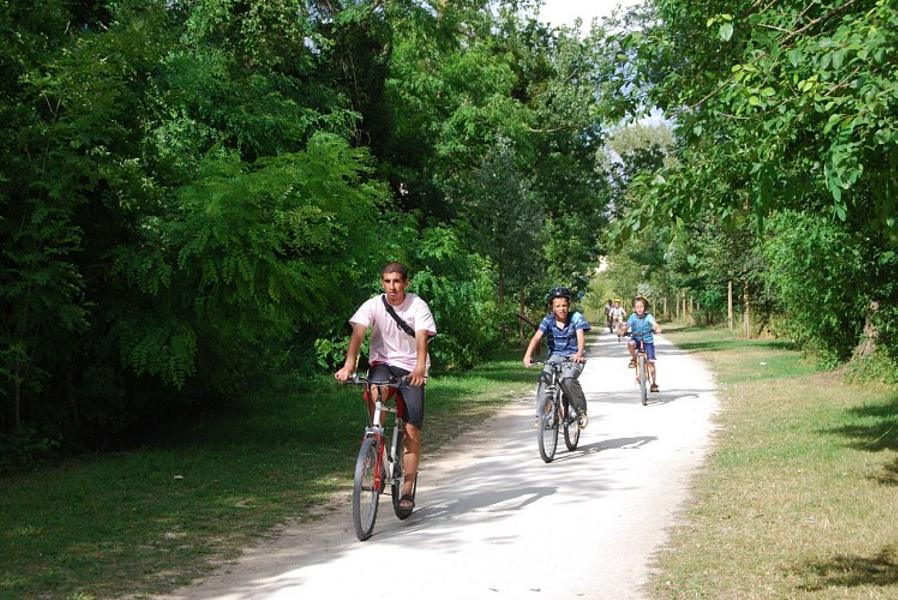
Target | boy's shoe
(632,364)
(654,387)
(583,421)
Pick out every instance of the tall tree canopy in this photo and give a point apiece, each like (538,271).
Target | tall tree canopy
(194,195)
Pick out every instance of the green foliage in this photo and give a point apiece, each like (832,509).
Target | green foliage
(786,107)
(781,109)
(459,287)
(502,217)
(817,268)
(245,256)
(194,195)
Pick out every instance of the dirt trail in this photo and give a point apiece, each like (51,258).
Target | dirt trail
(494,521)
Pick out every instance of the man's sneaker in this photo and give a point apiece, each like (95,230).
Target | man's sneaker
(584,421)
(654,387)
(632,364)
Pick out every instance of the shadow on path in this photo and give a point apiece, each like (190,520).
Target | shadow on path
(628,443)
(632,397)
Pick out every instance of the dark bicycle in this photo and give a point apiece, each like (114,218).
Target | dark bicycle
(379,464)
(556,413)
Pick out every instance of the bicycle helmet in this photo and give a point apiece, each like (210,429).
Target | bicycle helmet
(558,292)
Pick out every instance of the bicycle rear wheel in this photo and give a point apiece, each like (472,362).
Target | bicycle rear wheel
(366,488)
(643,391)
(571,432)
(547,434)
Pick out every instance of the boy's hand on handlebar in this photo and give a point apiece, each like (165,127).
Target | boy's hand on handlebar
(578,357)
(527,362)
(343,374)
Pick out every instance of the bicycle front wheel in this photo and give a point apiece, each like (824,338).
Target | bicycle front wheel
(547,434)
(369,478)
(571,433)
(643,391)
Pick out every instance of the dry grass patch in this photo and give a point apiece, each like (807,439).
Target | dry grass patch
(799,497)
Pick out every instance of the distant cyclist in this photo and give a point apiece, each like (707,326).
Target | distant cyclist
(642,326)
(566,341)
(616,315)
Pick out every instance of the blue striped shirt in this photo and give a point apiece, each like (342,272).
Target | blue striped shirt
(563,340)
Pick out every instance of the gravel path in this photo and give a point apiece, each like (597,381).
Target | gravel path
(494,521)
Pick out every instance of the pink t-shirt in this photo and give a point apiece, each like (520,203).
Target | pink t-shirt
(389,343)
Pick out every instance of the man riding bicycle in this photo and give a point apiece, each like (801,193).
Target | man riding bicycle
(402,324)
(566,342)
(642,326)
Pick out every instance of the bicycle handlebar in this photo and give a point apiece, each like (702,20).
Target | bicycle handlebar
(356,380)
(542,362)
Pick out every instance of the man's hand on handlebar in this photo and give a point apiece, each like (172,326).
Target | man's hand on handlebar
(344,374)
(527,362)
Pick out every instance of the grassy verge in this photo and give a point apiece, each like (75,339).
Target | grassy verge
(799,496)
(151,519)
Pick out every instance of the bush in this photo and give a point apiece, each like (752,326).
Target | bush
(460,291)
(819,272)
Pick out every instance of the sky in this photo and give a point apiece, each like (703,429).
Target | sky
(563,12)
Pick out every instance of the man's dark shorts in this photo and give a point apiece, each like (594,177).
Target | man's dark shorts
(412,395)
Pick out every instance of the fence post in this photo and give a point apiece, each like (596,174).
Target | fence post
(730,322)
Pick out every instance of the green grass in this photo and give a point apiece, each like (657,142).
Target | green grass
(154,518)
(798,498)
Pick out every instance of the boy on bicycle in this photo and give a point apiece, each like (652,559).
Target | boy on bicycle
(566,342)
(616,315)
(642,326)
(402,324)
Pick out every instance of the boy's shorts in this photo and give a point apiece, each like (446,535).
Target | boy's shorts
(649,349)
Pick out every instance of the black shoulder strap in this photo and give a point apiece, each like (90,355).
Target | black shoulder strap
(402,324)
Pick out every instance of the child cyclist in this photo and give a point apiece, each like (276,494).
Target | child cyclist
(617,314)
(642,326)
(566,341)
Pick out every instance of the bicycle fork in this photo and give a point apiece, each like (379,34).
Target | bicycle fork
(376,430)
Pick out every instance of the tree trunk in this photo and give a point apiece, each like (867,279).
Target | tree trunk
(681,301)
(664,308)
(730,323)
(17,398)
(521,312)
(746,311)
(868,342)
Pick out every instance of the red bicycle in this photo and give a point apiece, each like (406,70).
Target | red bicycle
(379,464)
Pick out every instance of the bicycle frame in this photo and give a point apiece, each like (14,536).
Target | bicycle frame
(375,428)
(378,464)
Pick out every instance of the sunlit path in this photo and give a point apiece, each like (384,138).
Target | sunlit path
(495,521)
